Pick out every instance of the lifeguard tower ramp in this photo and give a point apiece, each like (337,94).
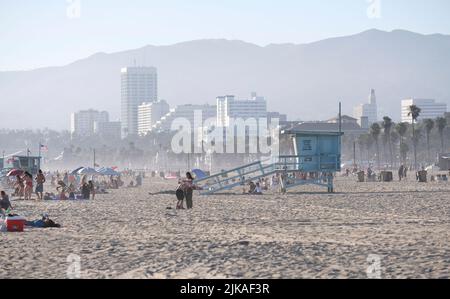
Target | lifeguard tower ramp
(318,157)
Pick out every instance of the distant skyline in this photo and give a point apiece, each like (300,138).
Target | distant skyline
(35,35)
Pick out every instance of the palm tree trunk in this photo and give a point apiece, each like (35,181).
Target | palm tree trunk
(391,154)
(378,154)
(414,146)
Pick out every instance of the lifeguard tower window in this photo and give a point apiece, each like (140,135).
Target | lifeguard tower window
(318,152)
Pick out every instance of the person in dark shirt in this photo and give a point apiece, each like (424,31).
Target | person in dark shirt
(85,191)
(5,204)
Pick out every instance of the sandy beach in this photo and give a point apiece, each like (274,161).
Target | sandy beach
(306,233)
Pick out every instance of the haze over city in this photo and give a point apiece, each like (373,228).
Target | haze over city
(281,55)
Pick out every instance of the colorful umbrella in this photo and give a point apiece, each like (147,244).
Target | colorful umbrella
(76,170)
(15,172)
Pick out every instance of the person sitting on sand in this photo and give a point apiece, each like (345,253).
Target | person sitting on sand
(5,204)
(188,187)
(258,189)
(252,188)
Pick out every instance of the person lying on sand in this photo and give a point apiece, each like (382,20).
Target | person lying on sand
(45,222)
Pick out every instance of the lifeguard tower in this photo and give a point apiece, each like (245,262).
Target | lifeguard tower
(27,163)
(317,158)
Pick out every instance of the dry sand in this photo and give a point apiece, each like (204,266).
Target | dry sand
(304,234)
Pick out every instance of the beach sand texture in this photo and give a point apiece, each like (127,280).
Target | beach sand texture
(306,233)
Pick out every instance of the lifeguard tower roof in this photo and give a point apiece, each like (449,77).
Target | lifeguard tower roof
(303,132)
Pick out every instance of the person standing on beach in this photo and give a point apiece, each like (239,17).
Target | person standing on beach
(400,172)
(28,178)
(188,187)
(40,180)
(19,187)
(92,189)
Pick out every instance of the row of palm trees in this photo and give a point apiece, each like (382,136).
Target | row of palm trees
(393,135)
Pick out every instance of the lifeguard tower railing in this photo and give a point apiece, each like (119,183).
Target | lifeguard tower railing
(317,158)
(289,169)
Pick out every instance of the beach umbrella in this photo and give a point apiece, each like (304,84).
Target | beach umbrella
(88,171)
(76,170)
(108,171)
(199,174)
(15,172)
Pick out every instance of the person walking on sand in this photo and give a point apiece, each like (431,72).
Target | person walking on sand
(40,180)
(188,187)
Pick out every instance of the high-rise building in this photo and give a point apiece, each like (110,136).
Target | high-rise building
(430,109)
(82,123)
(149,114)
(369,110)
(138,85)
(229,108)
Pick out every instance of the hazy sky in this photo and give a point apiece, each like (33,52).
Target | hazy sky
(54,32)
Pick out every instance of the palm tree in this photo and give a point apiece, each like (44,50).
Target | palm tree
(414,112)
(362,142)
(402,129)
(429,126)
(387,127)
(375,131)
(441,125)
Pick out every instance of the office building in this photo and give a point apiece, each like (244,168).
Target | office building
(228,108)
(149,114)
(430,109)
(82,123)
(138,85)
(368,110)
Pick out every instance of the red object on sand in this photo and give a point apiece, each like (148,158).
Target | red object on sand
(15,224)
(15,172)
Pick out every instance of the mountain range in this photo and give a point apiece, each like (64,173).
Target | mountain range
(306,81)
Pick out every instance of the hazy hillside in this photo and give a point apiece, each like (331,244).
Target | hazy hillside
(305,81)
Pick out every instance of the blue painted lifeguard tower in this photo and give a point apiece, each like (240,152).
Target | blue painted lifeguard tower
(317,158)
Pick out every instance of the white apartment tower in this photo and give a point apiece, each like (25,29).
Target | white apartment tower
(149,114)
(138,85)
(430,109)
(368,110)
(83,123)
(229,108)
